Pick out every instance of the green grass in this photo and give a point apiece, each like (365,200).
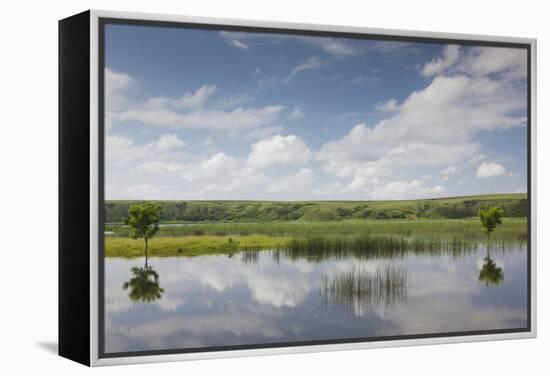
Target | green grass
(189,245)
(317,239)
(467,229)
(319,228)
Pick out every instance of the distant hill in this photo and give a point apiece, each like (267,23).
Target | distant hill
(514,205)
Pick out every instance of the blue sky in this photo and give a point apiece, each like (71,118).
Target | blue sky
(208,114)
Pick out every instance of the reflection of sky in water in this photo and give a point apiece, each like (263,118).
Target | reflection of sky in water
(220,301)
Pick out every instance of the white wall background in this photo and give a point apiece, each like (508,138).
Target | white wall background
(28,184)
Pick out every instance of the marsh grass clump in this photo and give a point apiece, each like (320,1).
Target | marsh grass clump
(360,291)
(198,232)
(370,247)
(230,247)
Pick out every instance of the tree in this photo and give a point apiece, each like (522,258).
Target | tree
(144,220)
(490,218)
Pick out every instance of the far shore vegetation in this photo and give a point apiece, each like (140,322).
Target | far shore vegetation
(403,226)
(514,205)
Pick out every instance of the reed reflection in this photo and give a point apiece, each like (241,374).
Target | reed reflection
(362,291)
(251,258)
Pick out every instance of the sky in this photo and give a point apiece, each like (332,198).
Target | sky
(196,114)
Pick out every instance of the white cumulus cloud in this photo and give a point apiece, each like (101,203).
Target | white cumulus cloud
(116,86)
(438,65)
(490,169)
(279,150)
(300,180)
(120,150)
(169,142)
(194,110)
(388,106)
(238,119)
(479,61)
(405,189)
(448,170)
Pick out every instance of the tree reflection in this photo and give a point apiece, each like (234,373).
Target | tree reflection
(144,284)
(490,273)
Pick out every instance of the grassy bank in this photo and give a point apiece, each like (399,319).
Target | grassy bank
(467,229)
(189,245)
(312,239)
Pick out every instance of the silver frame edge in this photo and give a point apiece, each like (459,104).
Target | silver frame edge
(94,190)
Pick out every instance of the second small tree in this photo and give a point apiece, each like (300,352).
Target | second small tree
(143,219)
(490,218)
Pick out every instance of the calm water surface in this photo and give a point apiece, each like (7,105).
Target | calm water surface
(265,297)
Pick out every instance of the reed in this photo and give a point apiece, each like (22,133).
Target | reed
(370,247)
(360,291)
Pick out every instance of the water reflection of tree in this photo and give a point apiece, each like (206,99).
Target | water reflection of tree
(361,291)
(144,284)
(490,273)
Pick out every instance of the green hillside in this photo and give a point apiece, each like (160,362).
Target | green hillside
(514,205)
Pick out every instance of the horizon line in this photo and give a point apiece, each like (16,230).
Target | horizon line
(358,200)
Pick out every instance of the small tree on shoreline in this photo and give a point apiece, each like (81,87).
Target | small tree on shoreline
(490,218)
(144,220)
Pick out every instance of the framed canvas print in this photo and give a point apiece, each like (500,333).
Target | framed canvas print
(231,188)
